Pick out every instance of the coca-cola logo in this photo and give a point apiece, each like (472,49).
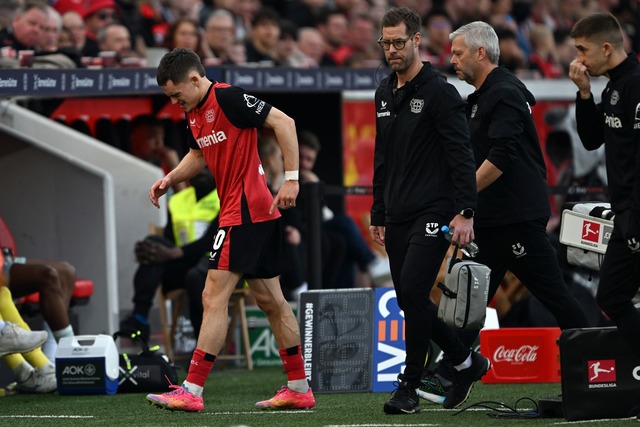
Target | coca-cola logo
(522,354)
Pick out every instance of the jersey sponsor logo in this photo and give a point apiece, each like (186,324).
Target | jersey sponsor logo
(615,97)
(416,105)
(612,121)
(214,138)
(383,114)
(209,115)
(431,229)
(518,250)
(253,102)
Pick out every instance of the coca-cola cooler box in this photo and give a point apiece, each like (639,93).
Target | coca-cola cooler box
(521,355)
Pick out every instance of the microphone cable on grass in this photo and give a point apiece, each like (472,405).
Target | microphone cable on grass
(504,411)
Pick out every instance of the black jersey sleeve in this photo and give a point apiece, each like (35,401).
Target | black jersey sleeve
(242,109)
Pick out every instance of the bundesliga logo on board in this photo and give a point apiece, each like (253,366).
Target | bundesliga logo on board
(602,373)
(591,231)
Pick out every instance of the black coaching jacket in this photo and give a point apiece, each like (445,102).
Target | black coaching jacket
(423,160)
(503,131)
(615,121)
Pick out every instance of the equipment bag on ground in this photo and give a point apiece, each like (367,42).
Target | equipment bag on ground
(148,370)
(600,375)
(464,293)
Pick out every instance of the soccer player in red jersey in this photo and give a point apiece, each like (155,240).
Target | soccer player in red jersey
(223,124)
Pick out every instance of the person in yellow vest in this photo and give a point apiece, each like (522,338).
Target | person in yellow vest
(171,259)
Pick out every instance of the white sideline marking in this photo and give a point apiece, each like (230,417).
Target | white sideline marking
(265,412)
(380,425)
(47,416)
(593,421)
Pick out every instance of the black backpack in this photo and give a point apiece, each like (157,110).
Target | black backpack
(147,371)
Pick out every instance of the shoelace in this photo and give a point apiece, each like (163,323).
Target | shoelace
(178,390)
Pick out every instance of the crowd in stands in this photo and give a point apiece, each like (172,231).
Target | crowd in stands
(534,34)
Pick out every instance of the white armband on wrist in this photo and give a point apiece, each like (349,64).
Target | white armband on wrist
(291,175)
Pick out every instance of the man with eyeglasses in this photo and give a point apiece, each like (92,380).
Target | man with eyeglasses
(424,178)
(97,14)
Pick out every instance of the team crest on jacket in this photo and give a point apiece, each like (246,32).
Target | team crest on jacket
(615,97)
(416,105)
(209,116)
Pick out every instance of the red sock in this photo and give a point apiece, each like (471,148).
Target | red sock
(200,367)
(293,363)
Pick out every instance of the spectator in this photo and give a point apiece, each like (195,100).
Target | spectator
(511,56)
(311,45)
(245,12)
(305,12)
(147,142)
(50,31)
(262,41)
(361,40)
(500,15)
(129,15)
(26,26)
(219,33)
(8,9)
(73,22)
(114,38)
(50,54)
(333,26)
(287,52)
(184,32)
(21,350)
(169,259)
(237,53)
(543,58)
(565,48)
(154,17)
(97,14)
(358,252)
(437,47)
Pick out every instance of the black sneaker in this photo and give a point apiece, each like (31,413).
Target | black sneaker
(404,401)
(431,388)
(464,380)
(131,325)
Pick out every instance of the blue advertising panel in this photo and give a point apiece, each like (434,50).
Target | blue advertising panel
(388,341)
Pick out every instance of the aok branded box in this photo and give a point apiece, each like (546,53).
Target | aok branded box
(87,364)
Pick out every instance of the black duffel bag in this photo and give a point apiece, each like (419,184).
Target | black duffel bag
(149,370)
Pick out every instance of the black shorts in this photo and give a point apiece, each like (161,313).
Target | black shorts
(258,250)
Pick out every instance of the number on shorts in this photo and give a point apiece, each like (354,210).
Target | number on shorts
(219,239)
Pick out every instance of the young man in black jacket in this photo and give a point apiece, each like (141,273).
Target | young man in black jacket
(513,199)
(423,179)
(615,121)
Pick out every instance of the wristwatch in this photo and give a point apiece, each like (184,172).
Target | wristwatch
(467,213)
